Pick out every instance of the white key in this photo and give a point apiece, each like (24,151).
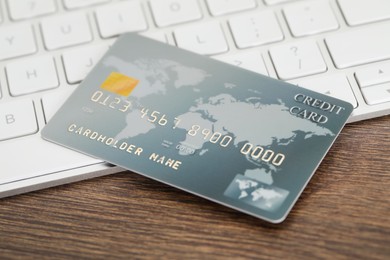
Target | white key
(206,38)
(22,9)
(79,62)
(169,12)
(221,7)
(71,4)
(364,11)
(274,2)
(159,36)
(255,29)
(336,85)
(65,30)
(51,102)
(375,74)
(377,94)
(31,75)
(44,158)
(17,118)
(251,60)
(297,59)
(119,18)
(360,46)
(310,17)
(16,40)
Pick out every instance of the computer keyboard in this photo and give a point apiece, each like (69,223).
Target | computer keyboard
(338,47)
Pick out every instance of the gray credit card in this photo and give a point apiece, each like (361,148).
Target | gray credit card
(235,137)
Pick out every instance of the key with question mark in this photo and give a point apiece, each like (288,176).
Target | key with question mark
(294,49)
(298,60)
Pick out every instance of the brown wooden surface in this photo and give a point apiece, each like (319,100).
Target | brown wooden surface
(343,213)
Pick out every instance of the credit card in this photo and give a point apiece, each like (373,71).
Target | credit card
(230,135)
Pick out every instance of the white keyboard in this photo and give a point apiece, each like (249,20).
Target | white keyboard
(338,47)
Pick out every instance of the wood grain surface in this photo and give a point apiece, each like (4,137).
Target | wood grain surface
(343,213)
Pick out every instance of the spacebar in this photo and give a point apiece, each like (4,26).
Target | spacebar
(360,46)
(24,160)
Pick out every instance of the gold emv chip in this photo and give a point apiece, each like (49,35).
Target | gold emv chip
(119,84)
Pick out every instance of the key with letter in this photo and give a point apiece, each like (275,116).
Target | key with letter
(168,12)
(65,30)
(32,75)
(205,38)
(119,18)
(16,40)
(17,118)
(79,62)
(221,7)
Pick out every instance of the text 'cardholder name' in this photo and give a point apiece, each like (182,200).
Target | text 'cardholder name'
(233,136)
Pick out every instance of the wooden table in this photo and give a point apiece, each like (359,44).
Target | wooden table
(344,213)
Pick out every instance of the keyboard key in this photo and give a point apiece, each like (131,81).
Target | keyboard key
(377,94)
(71,4)
(375,74)
(221,7)
(274,2)
(255,29)
(17,118)
(159,36)
(336,85)
(297,59)
(310,17)
(120,18)
(31,75)
(22,9)
(80,61)
(169,12)
(65,30)
(365,11)
(51,102)
(16,40)
(205,38)
(28,158)
(360,46)
(251,60)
